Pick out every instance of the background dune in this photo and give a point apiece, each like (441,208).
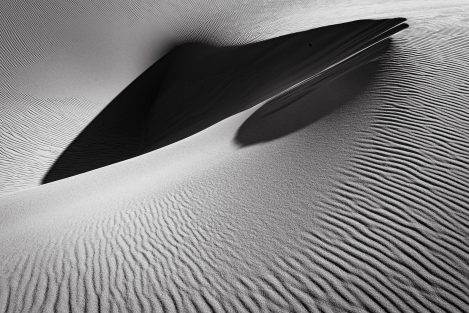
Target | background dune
(363,209)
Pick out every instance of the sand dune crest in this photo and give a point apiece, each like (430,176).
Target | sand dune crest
(196,85)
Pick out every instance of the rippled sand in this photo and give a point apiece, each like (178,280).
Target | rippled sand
(352,197)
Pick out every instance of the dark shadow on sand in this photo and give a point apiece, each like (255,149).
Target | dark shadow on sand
(305,104)
(197,85)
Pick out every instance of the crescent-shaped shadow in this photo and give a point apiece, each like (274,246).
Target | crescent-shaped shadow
(301,106)
(197,85)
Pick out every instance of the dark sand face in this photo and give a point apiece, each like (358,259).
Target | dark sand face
(363,209)
(197,85)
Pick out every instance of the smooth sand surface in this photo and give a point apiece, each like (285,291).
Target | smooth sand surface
(348,193)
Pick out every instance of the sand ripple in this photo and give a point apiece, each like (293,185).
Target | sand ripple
(391,236)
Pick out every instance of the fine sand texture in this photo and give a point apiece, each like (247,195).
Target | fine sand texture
(315,160)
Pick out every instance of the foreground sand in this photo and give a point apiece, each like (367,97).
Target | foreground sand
(363,209)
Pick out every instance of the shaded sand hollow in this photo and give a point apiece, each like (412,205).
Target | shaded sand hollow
(347,193)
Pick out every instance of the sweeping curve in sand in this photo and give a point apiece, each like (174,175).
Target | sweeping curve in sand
(197,85)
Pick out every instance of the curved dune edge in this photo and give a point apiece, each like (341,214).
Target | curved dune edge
(197,85)
(377,222)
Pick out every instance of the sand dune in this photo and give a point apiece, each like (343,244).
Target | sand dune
(195,86)
(345,194)
(72,59)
